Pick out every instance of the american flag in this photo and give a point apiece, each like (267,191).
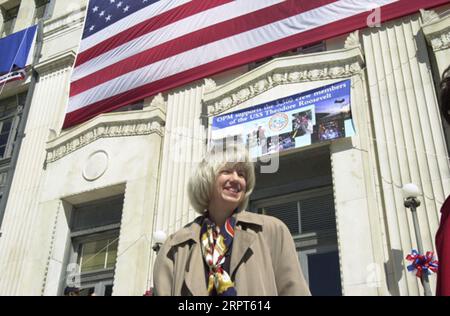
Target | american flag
(133,49)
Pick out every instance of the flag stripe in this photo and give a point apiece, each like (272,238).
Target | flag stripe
(228,53)
(193,40)
(165,34)
(136,32)
(222,48)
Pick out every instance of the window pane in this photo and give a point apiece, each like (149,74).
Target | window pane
(2,151)
(112,253)
(288,213)
(6,127)
(98,214)
(93,255)
(3,139)
(324,274)
(317,214)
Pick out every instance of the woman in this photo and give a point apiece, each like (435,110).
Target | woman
(228,251)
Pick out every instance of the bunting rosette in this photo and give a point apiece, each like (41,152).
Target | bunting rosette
(422,263)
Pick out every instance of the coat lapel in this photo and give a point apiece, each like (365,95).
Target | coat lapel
(243,239)
(194,276)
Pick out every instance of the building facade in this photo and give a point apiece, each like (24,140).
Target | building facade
(84,202)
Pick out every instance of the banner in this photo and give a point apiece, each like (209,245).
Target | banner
(295,121)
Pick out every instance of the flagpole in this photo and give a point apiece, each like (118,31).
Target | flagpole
(25,111)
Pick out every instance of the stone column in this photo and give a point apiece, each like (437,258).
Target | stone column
(22,210)
(358,215)
(409,141)
(133,266)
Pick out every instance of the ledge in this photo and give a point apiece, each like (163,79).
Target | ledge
(437,33)
(56,62)
(117,124)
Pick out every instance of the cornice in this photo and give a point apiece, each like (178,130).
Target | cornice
(119,124)
(64,22)
(285,70)
(56,62)
(437,33)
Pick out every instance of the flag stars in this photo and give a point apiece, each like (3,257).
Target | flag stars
(119,4)
(108,18)
(126,8)
(102,13)
(95,9)
(92,28)
(112,1)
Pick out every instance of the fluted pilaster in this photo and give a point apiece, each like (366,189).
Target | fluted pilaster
(410,146)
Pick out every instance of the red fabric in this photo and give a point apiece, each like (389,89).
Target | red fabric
(443,251)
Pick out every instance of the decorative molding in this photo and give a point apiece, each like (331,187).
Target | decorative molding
(105,126)
(64,22)
(56,62)
(51,248)
(331,67)
(352,40)
(96,165)
(437,32)
(157,102)
(428,16)
(210,85)
(441,41)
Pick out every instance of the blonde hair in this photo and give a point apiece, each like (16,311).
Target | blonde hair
(203,178)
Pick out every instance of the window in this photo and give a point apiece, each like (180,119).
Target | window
(10,114)
(98,254)
(9,20)
(95,231)
(41,5)
(310,217)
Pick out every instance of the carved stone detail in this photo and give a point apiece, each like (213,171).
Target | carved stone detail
(293,74)
(209,84)
(105,130)
(157,102)
(440,41)
(352,40)
(428,15)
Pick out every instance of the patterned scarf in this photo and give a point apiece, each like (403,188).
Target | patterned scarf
(216,242)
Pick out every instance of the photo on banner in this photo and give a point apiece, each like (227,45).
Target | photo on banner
(299,120)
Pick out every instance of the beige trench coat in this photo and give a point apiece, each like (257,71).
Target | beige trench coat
(263,260)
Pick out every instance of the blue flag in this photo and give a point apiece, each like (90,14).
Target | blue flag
(15,50)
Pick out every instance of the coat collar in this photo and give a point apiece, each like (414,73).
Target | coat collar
(192,230)
(243,239)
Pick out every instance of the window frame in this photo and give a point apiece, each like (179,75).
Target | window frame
(101,278)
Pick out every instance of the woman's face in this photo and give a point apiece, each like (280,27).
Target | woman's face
(230,187)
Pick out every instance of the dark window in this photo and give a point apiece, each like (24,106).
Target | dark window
(9,20)
(41,5)
(310,217)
